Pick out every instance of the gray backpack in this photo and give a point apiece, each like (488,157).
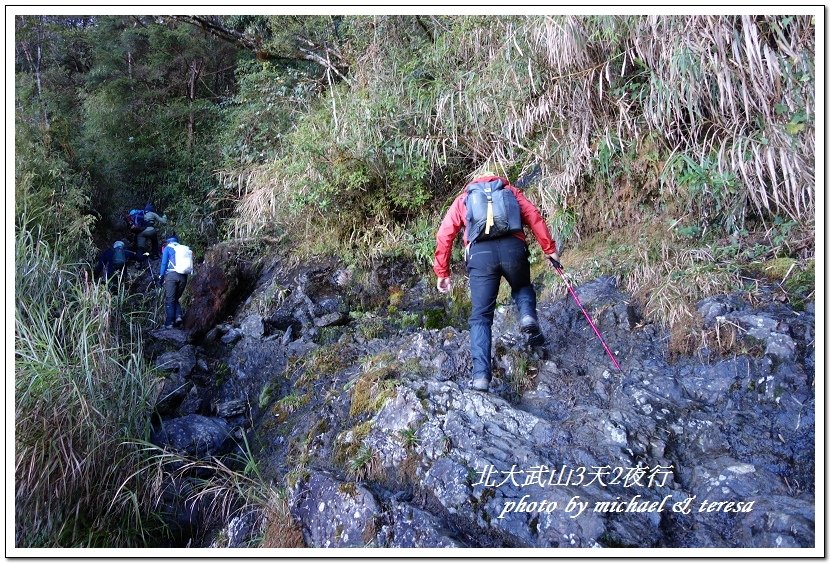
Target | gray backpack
(492,211)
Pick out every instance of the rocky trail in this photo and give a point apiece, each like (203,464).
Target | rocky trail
(350,393)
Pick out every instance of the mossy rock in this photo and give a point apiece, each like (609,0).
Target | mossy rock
(777,268)
(435,318)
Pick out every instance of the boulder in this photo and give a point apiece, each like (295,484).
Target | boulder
(412,527)
(252,327)
(194,435)
(216,287)
(170,392)
(182,361)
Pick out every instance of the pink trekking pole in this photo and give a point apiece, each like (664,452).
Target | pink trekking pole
(558,267)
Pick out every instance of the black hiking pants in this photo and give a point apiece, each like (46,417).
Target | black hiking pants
(487,262)
(174,284)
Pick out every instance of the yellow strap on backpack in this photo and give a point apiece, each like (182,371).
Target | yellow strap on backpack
(490,221)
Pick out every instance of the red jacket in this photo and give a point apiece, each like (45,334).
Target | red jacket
(455,220)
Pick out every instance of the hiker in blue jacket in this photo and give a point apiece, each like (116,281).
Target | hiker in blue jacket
(114,260)
(176,264)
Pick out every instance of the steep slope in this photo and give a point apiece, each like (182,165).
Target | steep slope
(366,419)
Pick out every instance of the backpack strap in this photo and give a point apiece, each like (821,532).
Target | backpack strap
(490,219)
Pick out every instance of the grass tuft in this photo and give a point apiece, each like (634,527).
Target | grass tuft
(376,384)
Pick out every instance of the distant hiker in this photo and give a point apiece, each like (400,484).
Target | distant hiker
(144,223)
(493,214)
(114,260)
(176,264)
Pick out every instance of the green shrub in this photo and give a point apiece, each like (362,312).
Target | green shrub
(50,195)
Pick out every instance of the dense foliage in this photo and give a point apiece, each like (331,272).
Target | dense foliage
(706,118)
(685,143)
(706,121)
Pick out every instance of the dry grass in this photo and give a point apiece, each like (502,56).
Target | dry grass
(366,465)
(666,276)
(261,192)
(376,384)
(704,87)
(223,489)
(521,373)
(670,287)
(348,443)
(281,529)
(408,470)
(722,338)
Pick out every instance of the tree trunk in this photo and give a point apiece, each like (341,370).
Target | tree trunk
(34,64)
(195,72)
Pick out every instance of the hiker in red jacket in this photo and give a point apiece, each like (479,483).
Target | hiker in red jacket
(493,214)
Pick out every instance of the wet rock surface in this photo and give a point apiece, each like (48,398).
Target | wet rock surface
(370,422)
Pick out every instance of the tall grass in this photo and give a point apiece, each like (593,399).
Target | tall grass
(667,275)
(669,284)
(81,394)
(220,490)
(710,117)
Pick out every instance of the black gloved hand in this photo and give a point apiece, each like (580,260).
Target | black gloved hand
(555,262)
(161,279)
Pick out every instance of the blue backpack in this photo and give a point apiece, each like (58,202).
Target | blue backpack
(136,220)
(119,256)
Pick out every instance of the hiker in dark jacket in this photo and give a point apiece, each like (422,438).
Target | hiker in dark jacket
(114,260)
(487,262)
(176,264)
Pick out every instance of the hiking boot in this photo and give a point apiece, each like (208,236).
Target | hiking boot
(481,383)
(530,326)
(178,321)
(536,340)
(168,327)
